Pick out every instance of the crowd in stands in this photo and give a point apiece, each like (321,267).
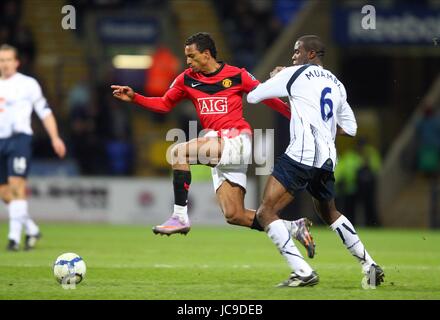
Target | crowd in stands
(82,6)
(100,137)
(252,26)
(98,131)
(13,32)
(427,137)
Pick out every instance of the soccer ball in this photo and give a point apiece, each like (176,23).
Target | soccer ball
(69,268)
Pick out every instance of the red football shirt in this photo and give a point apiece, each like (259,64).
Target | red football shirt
(217,98)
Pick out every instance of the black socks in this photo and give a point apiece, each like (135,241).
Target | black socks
(256,225)
(181,182)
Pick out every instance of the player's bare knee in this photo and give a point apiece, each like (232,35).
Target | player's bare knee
(178,154)
(233,216)
(5,195)
(14,192)
(260,214)
(177,150)
(233,220)
(17,191)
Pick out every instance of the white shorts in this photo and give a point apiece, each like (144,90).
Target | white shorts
(234,162)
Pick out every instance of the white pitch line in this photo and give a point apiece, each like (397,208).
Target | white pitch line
(164,266)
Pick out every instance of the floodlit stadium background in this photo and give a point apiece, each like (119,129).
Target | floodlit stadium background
(116,170)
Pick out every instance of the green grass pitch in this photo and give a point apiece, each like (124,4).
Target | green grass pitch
(232,263)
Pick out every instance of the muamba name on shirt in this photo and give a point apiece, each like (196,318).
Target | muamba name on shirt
(316,73)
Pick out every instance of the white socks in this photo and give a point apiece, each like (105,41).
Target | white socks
(349,237)
(18,216)
(291,226)
(181,212)
(281,236)
(30,227)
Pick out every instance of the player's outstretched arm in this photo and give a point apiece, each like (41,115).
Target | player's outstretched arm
(274,87)
(156,104)
(123,93)
(51,127)
(46,116)
(250,84)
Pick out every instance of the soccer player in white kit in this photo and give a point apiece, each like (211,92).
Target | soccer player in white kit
(319,111)
(19,96)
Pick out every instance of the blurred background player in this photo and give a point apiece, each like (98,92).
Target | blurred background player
(19,95)
(216,90)
(356,175)
(319,111)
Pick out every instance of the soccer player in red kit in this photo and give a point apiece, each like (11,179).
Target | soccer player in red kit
(216,89)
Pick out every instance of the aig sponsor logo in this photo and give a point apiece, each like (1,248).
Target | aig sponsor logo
(214,105)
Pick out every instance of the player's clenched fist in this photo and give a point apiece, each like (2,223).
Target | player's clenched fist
(276,70)
(123,93)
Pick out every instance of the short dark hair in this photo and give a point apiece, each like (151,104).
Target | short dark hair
(5,47)
(312,42)
(203,41)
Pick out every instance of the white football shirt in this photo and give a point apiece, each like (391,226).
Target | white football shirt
(19,96)
(318,103)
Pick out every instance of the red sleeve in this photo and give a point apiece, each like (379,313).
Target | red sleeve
(249,83)
(164,104)
(279,106)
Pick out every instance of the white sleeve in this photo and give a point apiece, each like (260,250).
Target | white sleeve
(39,102)
(345,117)
(273,88)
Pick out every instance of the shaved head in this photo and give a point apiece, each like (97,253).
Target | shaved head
(313,43)
(308,49)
